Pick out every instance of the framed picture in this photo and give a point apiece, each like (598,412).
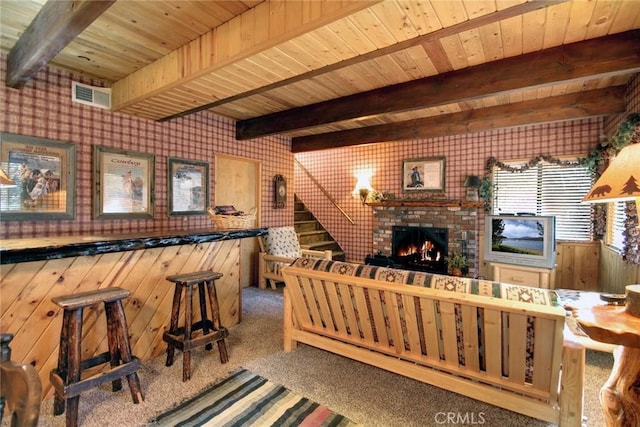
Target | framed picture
(38,179)
(124,184)
(188,186)
(425,174)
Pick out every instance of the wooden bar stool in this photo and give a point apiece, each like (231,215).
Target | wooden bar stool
(20,388)
(66,379)
(212,331)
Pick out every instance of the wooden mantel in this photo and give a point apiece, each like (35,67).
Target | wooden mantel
(426,203)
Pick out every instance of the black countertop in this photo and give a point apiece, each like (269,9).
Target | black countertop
(37,249)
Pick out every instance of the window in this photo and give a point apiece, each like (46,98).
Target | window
(547,189)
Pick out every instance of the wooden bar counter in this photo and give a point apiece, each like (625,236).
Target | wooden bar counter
(33,271)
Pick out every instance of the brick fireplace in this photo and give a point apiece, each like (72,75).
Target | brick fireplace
(460,218)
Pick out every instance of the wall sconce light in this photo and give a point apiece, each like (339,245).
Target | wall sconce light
(5,181)
(472,183)
(363,185)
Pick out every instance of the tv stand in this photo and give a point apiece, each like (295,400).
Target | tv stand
(521,275)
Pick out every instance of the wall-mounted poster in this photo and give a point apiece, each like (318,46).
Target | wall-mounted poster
(425,174)
(39,178)
(188,185)
(124,184)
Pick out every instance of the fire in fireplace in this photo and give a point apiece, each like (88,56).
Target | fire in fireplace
(420,248)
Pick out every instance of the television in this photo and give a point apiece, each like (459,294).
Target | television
(521,240)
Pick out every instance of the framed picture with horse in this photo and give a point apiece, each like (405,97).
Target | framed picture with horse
(424,174)
(123,184)
(37,179)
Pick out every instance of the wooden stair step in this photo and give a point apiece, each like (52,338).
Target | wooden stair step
(302,216)
(307,237)
(319,244)
(307,225)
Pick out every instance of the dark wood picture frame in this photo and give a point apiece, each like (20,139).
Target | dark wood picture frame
(425,174)
(42,179)
(187,187)
(123,184)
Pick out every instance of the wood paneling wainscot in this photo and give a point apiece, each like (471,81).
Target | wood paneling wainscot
(26,290)
(577,265)
(615,274)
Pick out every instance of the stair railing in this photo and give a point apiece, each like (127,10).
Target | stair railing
(322,189)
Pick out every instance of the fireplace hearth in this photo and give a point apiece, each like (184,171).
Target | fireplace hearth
(420,248)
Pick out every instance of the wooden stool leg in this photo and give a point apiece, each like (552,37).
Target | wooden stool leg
(188,319)
(215,318)
(59,402)
(203,313)
(75,355)
(112,341)
(122,337)
(175,315)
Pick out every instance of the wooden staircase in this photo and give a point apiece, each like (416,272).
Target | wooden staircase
(311,234)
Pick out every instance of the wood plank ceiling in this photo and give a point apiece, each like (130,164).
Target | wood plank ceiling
(338,73)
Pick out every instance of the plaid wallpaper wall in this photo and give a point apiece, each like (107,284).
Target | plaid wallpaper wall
(633,106)
(43,108)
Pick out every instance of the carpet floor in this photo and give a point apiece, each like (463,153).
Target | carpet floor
(365,394)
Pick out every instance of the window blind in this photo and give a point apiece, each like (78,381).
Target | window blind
(547,189)
(615,226)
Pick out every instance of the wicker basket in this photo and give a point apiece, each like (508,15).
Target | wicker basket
(232,221)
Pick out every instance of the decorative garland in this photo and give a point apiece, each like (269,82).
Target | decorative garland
(492,162)
(628,132)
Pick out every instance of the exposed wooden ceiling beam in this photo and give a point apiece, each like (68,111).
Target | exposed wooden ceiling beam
(606,56)
(563,107)
(55,26)
(269,24)
(426,39)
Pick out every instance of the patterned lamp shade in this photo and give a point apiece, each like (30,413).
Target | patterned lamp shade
(621,180)
(5,181)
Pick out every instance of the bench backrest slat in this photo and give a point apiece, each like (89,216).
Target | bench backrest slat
(493,342)
(517,355)
(471,343)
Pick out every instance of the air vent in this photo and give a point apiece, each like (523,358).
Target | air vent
(90,95)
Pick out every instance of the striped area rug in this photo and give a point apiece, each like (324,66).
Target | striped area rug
(246,399)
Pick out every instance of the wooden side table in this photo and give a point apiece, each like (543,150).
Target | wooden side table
(620,395)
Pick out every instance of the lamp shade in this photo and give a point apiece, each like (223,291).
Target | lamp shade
(471,181)
(621,180)
(4,178)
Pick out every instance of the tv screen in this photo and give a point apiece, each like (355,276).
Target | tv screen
(520,240)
